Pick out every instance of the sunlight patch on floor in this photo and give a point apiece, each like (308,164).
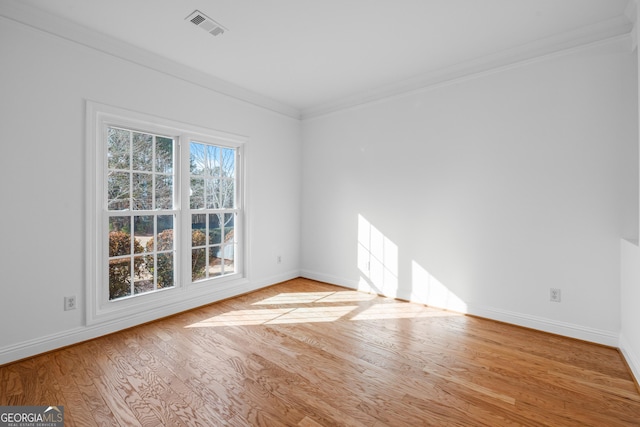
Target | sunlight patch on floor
(400,311)
(314,314)
(314,307)
(272,316)
(348,296)
(294,298)
(315,297)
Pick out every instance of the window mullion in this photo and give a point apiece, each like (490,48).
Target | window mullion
(153,171)
(154,252)
(130,171)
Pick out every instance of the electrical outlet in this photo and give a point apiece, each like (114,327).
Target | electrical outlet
(70,303)
(279,259)
(554,295)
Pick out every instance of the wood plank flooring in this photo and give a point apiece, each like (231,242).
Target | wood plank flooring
(308,354)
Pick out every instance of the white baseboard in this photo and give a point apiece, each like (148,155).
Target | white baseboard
(632,358)
(570,330)
(539,323)
(272,280)
(51,342)
(334,280)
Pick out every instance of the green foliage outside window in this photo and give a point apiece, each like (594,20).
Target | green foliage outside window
(198,257)
(165,264)
(120,268)
(164,261)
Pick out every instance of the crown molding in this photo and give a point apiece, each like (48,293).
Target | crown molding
(621,26)
(565,43)
(65,29)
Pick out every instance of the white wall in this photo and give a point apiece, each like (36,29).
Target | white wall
(482,194)
(630,261)
(44,83)
(630,315)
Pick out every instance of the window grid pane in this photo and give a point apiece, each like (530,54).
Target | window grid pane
(146,262)
(212,195)
(140,170)
(140,181)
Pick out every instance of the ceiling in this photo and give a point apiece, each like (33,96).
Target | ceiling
(314,54)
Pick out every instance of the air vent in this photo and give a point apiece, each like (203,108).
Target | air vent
(203,21)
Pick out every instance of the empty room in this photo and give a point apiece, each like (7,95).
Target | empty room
(320,213)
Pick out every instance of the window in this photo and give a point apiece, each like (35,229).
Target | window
(140,210)
(212,202)
(165,212)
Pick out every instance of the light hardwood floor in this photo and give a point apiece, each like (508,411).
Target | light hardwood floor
(304,353)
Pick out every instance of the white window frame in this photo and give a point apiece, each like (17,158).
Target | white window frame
(238,231)
(165,301)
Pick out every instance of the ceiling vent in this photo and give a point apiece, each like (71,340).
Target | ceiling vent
(203,21)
